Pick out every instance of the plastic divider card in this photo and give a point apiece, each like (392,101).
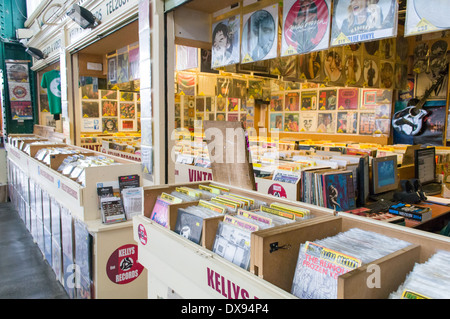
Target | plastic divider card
(322,261)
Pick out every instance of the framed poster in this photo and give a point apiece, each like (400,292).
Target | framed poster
(260,35)
(360,20)
(306,26)
(225,42)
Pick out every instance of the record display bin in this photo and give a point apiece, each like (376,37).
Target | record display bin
(274,254)
(61,214)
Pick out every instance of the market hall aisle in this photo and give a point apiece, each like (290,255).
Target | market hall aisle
(24,274)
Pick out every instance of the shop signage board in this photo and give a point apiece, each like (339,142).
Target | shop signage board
(105,11)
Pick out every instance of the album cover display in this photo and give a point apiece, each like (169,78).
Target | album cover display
(371,72)
(333,64)
(424,16)
(225,42)
(348,99)
(291,101)
(276,121)
(305,27)
(326,122)
(259,35)
(310,65)
(347,122)
(359,21)
(308,121)
(327,99)
(291,122)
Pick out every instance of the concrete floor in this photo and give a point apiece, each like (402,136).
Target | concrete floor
(24,274)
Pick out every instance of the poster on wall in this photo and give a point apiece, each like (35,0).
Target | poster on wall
(360,20)
(91,125)
(225,42)
(306,26)
(259,35)
(423,16)
(19,90)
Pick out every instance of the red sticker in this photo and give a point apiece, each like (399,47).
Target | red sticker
(122,267)
(277,190)
(142,233)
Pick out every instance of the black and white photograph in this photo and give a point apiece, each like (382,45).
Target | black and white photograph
(259,35)
(225,42)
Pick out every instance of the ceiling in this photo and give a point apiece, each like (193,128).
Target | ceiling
(120,38)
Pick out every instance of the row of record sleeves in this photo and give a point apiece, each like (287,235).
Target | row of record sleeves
(317,25)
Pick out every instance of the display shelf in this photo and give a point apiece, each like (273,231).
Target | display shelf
(82,200)
(62,215)
(161,251)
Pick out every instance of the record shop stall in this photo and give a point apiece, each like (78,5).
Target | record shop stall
(294,83)
(336,91)
(91,252)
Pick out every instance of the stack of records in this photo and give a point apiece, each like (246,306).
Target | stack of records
(190,219)
(430,280)
(322,261)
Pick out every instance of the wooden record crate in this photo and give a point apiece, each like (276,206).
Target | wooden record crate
(274,251)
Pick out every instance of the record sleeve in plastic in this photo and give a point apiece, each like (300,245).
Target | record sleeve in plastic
(306,26)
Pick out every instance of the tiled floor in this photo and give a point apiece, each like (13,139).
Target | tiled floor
(24,274)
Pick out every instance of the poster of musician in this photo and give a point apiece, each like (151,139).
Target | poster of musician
(225,42)
(259,35)
(306,26)
(363,20)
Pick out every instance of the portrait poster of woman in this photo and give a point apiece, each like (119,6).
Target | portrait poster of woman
(363,20)
(306,26)
(259,35)
(225,42)
(333,65)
